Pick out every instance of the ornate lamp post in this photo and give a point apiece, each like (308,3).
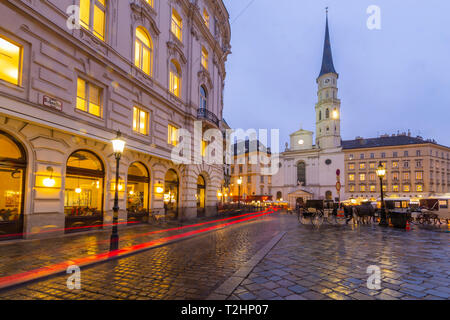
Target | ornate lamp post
(118,147)
(239,182)
(381,173)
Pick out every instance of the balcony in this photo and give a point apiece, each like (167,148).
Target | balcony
(204,114)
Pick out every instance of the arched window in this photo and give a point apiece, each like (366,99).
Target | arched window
(327,113)
(93,16)
(138,195)
(143,54)
(279,196)
(201,196)
(203,98)
(13,164)
(83,196)
(175,78)
(171,194)
(301,173)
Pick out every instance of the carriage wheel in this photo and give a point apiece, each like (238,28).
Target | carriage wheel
(302,219)
(317,219)
(420,219)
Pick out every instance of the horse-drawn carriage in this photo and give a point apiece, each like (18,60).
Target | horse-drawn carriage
(433,211)
(317,212)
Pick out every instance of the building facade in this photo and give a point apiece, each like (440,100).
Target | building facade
(415,168)
(247,166)
(145,67)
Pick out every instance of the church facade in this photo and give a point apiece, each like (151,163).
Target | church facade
(308,166)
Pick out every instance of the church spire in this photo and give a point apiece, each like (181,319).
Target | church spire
(327,61)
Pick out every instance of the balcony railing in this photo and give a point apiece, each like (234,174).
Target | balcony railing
(205,114)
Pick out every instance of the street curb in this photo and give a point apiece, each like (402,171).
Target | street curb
(228,287)
(51,274)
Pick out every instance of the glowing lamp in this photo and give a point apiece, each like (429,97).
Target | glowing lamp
(118,145)
(335,114)
(49,182)
(78,190)
(159,190)
(381,171)
(239,181)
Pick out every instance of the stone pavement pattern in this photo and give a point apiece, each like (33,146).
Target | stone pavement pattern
(329,263)
(22,256)
(189,269)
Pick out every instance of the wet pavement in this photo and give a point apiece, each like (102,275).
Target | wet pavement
(307,263)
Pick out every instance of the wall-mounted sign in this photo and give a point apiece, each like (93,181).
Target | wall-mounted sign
(52,103)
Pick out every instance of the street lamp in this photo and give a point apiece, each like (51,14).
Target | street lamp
(118,147)
(381,173)
(239,182)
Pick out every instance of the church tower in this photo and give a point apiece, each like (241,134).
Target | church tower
(328,108)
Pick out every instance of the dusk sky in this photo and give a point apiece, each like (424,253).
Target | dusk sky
(393,79)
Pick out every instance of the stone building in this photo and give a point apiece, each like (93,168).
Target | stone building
(246,165)
(145,67)
(308,166)
(415,168)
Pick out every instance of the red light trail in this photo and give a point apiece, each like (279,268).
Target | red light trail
(54,269)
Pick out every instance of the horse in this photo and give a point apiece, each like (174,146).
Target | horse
(364,213)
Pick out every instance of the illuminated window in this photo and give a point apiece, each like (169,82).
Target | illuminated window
(419,188)
(362,177)
(372,177)
(175,78)
(206,17)
(395,188)
(395,176)
(406,188)
(89,98)
(150,2)
(419,175)
(173,135)
(395,164)
(204,145)
(384,188)
(10,61)
(93,16)
(362,165)
(352,188)
(140,121)
(373,188)
(406,175)
(351,177)
(205,58)
(362,188)
(203,98)
(143,51)
(372,165)
(177,25)
(351,166)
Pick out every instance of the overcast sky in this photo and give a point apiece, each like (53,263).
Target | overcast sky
(393,79)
